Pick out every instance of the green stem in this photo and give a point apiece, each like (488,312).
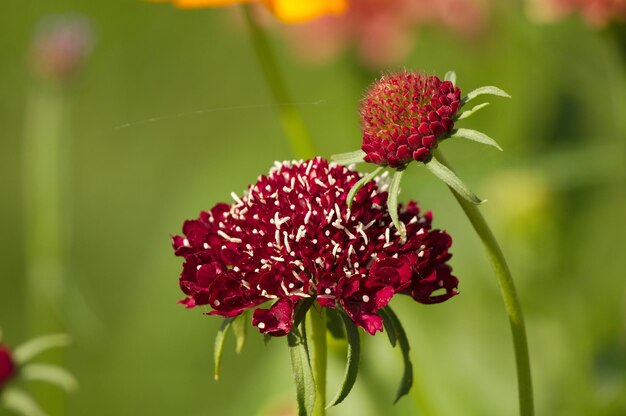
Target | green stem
(45,237)
(318,334)
(509,296)
(293,124)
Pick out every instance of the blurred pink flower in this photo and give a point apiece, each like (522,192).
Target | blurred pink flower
(383,31)
(60,46)
(595,12)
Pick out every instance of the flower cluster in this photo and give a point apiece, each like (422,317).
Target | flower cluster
(404,115)
(7,366)
(292,236)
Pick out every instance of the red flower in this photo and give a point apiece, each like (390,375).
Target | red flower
(404,115)
(291,236)
(7,366)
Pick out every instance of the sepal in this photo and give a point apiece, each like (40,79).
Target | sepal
(349,158)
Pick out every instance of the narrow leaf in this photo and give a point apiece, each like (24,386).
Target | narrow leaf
(36,346)
(240,329)
(390,329)
(352,362)
(219,345)
(301,309)
(467,113)
(453,181)
(51,374)
(349,158)
(482,91)
(450,76)
(302,372)
(476,136)
(357,186)
(407,376)
(20,402)
(392,202)
(334,324)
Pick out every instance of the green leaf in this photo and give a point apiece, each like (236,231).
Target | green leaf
(352,362)
(36,346)
(334,324)
(240,329)
(357,186)
(453,181)
(450,76)
(349,158)
(482,91)
(219,345)
(390,329)
(467,113)
(476,136)
(407,376)
(392,202)
(20,402)
(51,374)
(301,309)
(302,371)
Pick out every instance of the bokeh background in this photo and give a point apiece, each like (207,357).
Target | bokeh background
(170,113)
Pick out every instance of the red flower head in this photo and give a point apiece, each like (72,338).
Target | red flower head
(291,236)
(7,367)
(404,115)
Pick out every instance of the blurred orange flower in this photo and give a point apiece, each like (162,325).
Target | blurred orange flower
(290,11)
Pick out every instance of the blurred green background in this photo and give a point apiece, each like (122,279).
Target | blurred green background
(171,114)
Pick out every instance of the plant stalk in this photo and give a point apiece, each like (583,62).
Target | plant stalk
(509,296)
(44,151)
(320,350)
(291,120)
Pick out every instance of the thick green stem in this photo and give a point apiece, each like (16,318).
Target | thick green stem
(318,334)
(509,296)
(291,119)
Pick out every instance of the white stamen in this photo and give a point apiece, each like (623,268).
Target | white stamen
(236,198)
(320,183)
(229,238)
(287,246)
(366,298)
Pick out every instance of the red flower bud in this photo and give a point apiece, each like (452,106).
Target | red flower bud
(404,115)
